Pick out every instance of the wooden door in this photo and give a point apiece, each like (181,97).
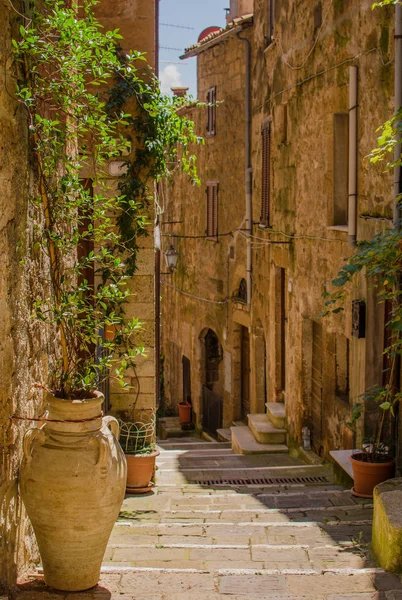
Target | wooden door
(316,389)
(245,373)
(186,380)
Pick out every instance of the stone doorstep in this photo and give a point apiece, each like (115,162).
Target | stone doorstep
(243,442)
(264,431)
(276,412)
(342,458)
(224,435)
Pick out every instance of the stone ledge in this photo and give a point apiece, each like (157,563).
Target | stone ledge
(387,525)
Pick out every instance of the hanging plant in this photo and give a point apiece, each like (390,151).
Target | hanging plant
(76,85)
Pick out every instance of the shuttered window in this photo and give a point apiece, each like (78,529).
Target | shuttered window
(266,187)
(212,209)
(211,111)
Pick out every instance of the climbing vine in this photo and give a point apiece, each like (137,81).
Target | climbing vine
(88,103)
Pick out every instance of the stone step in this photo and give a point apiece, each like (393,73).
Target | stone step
(213,514)
(239,424)
(237,584)
(276,413)
(264,431)
(346,534)
(196,446)
(224,435)
(243,442)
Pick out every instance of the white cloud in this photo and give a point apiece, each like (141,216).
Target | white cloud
(170,77)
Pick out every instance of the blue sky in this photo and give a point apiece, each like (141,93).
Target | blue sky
(197,14)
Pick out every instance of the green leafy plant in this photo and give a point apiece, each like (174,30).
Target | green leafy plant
(77,86)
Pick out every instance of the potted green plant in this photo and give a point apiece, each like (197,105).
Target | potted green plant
(375,462)
(74,84)
(139,444)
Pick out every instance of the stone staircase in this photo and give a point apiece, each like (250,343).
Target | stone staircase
(264,434)
(212,529)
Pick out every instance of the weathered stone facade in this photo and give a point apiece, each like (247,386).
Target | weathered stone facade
(278,347)
(25,348)
(136,22)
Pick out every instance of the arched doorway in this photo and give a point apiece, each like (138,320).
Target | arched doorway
(212,388)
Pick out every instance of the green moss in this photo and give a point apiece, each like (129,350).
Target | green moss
(339,7)
(340,40)
(384,39)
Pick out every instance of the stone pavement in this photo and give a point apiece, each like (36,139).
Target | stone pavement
(221,526)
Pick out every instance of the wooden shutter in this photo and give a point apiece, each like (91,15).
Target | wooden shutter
(211,111)
(212,209)
(266,172)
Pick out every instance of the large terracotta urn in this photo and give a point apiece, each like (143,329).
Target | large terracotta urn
(72,481)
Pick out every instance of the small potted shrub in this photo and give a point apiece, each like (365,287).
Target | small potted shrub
(374,463)
(138,442)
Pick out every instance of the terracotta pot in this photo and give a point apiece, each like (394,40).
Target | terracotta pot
(184,412)
(72,482)
(367,475)
(140,468)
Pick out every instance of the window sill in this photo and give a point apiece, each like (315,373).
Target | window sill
(342,228)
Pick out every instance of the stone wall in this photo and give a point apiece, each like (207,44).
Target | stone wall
(24,347)
(299,82)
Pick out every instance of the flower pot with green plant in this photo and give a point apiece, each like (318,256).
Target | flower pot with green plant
(139,444)
(75,85)
(375,462)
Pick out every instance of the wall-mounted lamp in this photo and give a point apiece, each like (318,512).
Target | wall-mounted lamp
(171,257)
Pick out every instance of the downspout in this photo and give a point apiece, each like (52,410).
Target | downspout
(157,272)
(248,169)
(398,107)
(352,186)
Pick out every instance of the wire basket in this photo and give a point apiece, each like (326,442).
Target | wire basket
(138,437)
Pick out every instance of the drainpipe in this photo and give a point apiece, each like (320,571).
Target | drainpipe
(398,106)
(248,169)
(352,187)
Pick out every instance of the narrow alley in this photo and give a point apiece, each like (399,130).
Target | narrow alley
(220,525)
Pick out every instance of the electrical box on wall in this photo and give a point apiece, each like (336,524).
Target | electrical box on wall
(359,318)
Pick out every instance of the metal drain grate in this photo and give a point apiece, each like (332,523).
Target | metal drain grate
(263,481)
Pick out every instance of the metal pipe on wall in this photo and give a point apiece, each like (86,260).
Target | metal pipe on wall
(248,168)
(352,186)
(398,106)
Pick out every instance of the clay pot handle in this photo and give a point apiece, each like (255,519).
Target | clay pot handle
(29,437)
(113,425)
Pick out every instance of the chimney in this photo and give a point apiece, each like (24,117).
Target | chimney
(180,92)
(238,8)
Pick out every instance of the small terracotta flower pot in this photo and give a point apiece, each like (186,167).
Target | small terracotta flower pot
(140,468)
(367,475)
(184,412)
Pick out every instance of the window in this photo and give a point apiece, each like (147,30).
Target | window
(211,111)
(341,168)
(265,189)
(212,209)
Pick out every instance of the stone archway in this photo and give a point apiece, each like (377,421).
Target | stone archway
(212,380)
